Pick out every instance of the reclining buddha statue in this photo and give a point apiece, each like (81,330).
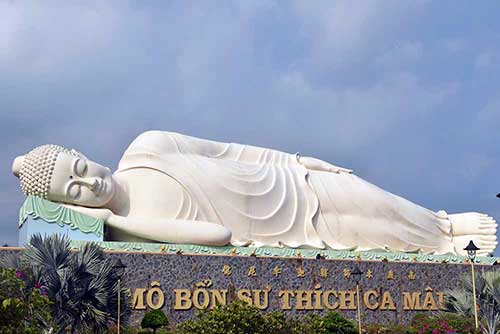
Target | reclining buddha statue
(175,188)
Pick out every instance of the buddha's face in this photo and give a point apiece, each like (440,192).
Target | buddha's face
(79,181)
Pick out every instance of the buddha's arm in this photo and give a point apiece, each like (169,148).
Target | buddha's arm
(174,231)
(162,230)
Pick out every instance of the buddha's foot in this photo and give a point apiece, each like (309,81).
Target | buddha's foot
(478,227)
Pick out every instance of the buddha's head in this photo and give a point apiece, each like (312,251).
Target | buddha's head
(55,173)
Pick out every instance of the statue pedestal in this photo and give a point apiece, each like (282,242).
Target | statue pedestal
(33,226)
(41,216)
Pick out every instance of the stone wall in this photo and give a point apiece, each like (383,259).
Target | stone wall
(306,282)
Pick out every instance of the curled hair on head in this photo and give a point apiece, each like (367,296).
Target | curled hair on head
(38,167)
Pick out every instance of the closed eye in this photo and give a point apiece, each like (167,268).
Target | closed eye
(74,190)
(80,167)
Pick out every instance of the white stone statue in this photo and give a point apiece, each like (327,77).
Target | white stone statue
(174,188)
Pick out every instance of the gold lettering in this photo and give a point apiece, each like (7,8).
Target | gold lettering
(369,273)
(257,298)
(411,302)
(245,295)
(219,297)
(182,299)
(347,273)
(226,270)
(317,297)
(440,299)
(252,271)
(203,304)
(326,299)
(387,303)
(138,299)
(150,297)
(367,302)
(285,296)
(346,299)
(304,300)
(429,302)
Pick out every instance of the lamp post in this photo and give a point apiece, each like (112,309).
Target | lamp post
(120,269)
(357,275)
(471,254)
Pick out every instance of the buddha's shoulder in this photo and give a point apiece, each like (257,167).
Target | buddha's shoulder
(144,176)
(143,183)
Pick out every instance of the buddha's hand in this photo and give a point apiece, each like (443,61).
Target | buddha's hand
(98,213)
(320,165)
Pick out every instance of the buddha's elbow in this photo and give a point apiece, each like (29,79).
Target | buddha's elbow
(220,236)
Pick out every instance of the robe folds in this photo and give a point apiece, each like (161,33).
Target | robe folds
(268,198)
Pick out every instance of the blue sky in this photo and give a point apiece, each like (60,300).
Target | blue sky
(404,93)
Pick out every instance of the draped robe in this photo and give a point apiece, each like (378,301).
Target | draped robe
(268,198)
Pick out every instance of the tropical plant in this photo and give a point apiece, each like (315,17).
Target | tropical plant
(154,319)
(82,285)
(460,301)
(24,309)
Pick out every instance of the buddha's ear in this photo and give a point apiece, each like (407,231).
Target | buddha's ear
(17,164)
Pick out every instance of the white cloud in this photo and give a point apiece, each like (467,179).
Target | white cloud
(43,37)
(357,116)
(349,33)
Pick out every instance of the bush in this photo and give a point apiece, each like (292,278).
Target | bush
(235,318)
(445,323)
(389,329)
(24,309)
(239,318)
(154,319)
(331,323)
(278,323)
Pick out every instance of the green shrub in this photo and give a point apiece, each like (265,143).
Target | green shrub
(235,318)
(154,319)
(389,329)
(278,323)
(331,323)
(239,318)
(24,309)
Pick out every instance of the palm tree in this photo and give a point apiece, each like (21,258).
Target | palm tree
(488,299)
(82,285)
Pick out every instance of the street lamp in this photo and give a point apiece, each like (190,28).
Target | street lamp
(119,266)
(357,276)
(471,254)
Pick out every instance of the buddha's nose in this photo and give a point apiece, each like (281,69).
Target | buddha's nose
(91,182)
